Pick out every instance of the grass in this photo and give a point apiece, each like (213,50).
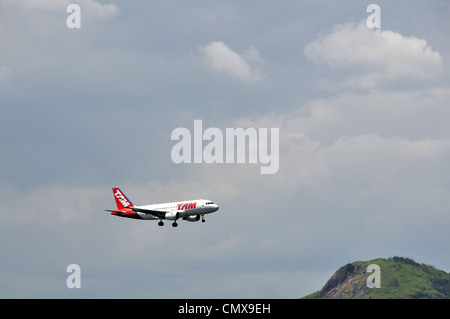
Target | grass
(400,278)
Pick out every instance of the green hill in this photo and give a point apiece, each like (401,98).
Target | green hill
(400,278)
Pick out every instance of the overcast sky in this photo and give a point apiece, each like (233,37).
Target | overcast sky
(363,116)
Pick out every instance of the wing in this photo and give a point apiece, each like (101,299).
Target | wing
(156,213)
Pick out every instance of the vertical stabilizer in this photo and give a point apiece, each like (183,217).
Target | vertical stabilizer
(121,200)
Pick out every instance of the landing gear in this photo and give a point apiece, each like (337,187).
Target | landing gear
(203,218)
(174,224)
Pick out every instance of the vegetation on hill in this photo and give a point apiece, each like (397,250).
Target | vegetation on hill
(400,278)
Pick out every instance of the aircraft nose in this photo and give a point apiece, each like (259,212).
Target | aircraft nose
(216,207)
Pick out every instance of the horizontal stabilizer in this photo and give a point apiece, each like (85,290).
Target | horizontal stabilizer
(115,211)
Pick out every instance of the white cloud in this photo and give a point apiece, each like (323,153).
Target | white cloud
(375,55)
(222,59)
(361,141)
(101,11)
(414,114)
(374,160)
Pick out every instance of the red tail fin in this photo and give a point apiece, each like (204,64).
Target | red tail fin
(121,200)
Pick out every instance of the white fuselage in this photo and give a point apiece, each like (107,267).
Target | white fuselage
(184,208)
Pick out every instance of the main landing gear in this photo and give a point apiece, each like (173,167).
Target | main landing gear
(174,224)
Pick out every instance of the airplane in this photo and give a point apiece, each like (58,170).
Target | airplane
(189,210)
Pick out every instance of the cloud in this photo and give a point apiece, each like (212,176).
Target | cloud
(356,142)
(371,160)
(101,11)
(220,58)
(374,55)
(90,7)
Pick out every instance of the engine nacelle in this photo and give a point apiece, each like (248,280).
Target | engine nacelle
(192,218)
(172,215)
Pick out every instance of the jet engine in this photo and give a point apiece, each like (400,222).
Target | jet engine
(192,218)
(172,215)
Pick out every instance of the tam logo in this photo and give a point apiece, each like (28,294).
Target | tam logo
(187,206)
(122,199)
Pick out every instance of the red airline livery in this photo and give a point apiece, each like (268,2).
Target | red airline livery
(190,210)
